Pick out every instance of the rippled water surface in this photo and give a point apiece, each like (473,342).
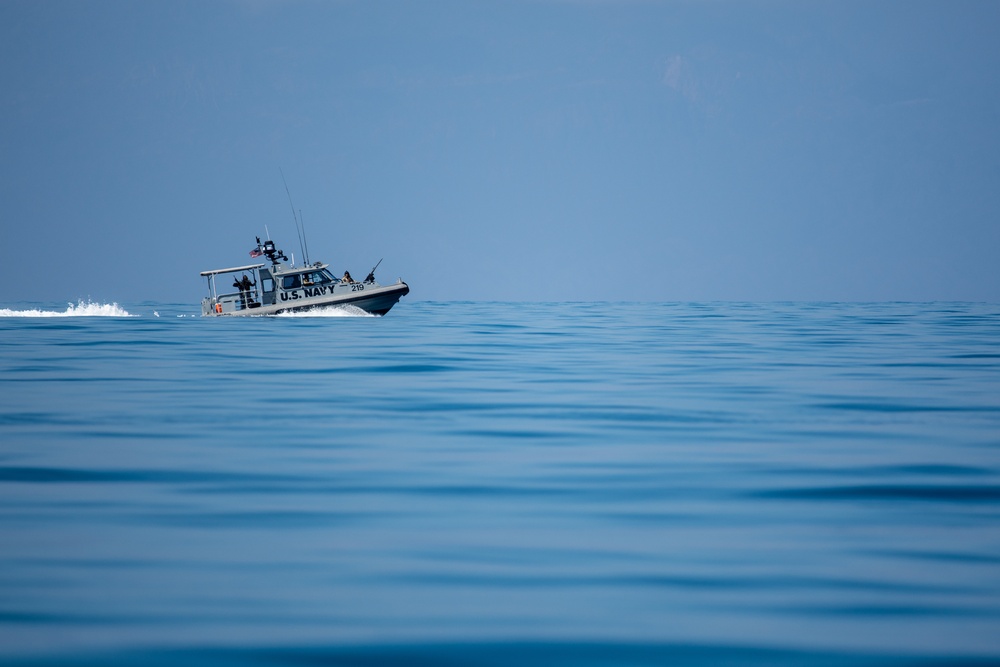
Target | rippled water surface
(493,483)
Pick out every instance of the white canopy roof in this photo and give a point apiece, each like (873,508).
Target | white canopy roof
(235,268)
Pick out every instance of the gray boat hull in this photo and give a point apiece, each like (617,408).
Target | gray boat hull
(369,297)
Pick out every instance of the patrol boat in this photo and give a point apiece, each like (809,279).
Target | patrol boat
(280,288)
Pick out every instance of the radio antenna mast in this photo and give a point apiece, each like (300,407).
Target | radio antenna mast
(305,241)
(299,229)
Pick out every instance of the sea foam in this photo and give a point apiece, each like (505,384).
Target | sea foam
(345,310)
(80,309)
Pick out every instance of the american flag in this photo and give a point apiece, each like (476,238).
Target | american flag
(256,252)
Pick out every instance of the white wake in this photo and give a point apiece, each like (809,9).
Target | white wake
(345,310)
(81,309)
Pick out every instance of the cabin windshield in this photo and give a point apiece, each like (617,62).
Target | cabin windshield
(307,278)
(318,277)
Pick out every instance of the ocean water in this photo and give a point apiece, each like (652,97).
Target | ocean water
(500,484)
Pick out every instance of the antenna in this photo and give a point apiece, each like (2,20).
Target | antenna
(305,241)
(300,232)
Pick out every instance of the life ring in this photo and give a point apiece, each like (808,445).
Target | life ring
(218,308)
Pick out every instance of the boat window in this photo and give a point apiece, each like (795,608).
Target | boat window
(291,282)
(266,281)
(316,278)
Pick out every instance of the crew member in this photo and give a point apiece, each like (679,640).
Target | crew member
(244,287)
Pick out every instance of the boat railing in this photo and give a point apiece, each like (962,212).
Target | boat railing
(234,301)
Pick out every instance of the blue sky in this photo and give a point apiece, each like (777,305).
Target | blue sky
(519,150)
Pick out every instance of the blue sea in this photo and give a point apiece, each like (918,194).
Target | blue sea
(501,484)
